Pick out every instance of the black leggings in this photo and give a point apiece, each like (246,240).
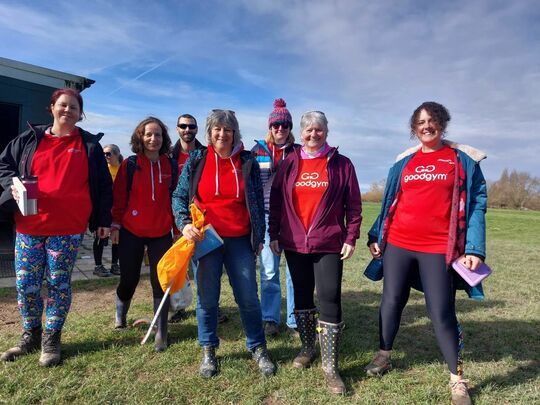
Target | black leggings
(98,246)
(399,265)
(317,270)
(131,252)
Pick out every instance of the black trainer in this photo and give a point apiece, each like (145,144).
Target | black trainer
(101,271)
(115,269)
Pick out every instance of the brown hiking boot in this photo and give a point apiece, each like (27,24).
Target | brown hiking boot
(30,341)
(460,392)
(50,348)
(379,365)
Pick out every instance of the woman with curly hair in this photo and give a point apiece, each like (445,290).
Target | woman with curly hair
(142,216)
(433,212)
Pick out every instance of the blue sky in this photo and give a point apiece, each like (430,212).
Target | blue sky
(366,64)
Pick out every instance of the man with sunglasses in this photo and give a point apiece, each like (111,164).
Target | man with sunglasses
(269,153)
(187,131)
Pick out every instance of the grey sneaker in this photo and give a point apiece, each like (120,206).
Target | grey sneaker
(460,392)
(378,366)
(101,271)
(271,328)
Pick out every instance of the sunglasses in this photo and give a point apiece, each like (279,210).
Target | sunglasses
(184,126)
(284,125)
(107,154)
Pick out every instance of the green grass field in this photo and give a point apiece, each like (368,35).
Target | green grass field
(502,338)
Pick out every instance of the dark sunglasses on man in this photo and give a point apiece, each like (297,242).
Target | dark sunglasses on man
(184,126)
(107,154)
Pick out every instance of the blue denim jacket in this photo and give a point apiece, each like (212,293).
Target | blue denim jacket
(189,181)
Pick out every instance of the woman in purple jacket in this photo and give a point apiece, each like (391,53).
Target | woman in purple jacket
(315,216)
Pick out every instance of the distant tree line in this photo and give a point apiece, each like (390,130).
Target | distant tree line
(376,192)
(515,190)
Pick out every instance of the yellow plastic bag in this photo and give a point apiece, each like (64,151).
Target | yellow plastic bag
(173,266)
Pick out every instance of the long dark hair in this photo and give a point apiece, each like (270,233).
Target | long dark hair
(137,145)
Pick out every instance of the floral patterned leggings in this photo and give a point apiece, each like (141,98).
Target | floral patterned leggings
(35,258)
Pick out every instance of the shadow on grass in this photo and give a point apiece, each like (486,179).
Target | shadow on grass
(485,341)
(521,375)
(130,337)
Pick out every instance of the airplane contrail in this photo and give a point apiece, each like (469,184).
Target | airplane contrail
(141,75)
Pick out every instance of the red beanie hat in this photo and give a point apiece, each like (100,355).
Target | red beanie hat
(280,113)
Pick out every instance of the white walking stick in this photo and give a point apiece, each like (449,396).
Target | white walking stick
(157,313)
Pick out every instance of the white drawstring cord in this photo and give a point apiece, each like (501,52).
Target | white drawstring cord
(217,178)
(235,175)
(236,178)
(152,179)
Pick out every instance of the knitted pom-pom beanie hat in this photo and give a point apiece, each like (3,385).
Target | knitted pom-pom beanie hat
(280,114)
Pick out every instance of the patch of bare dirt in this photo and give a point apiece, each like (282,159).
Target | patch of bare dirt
(87,298)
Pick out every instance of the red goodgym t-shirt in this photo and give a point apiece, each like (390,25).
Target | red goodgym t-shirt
(422,216)
(309,187)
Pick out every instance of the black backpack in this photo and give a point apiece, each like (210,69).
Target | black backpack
(132,166)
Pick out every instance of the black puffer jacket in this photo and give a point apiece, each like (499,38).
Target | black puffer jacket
(16,160)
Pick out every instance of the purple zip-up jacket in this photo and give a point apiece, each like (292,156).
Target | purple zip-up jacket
(337,218)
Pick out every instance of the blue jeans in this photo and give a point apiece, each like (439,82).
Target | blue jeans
(271,288)
(239,260)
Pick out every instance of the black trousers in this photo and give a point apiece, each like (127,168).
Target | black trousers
(322,271)
(97,248)
(439,294)
(131,252)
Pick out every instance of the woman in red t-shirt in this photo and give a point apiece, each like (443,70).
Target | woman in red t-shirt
(142,216)
(73,192)
(315,216)
(433,213)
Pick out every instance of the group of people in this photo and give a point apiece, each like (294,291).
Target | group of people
(300,199)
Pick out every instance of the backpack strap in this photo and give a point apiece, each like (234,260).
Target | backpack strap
(174,175)
(131,167)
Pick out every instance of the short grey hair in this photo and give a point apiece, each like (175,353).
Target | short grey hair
(115,151)
(224,118)
(313,117)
